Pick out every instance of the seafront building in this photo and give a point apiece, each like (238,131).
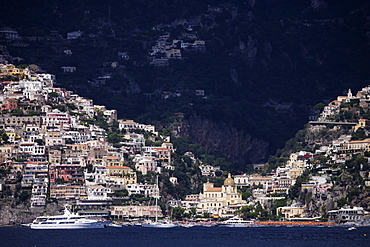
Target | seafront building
(220,201)
(348,215)
(125,212)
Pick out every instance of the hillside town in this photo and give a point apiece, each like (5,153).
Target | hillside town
(54,148)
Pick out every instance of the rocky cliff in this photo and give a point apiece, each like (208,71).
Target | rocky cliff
(12,214)
(238,146)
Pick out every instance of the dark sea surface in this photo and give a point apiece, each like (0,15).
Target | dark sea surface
(195,236)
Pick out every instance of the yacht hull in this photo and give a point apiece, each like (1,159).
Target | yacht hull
(69,226)
(159,225)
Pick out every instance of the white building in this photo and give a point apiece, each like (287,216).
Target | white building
(111,115)
(31,148)
(241,180)
(355,214)
(98,192)
(147,190)
(32,90)
(77,137)
(144,164)
(96,176)
(33,169)
(208,170)
(56,117)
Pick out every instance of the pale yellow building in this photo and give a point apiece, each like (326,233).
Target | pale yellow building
(121,175)
(295,172)
(289,212)
(6,152)
(256,180)
(62,191)
(83,147)
(12,135)
(112,161)
(362,123)
(220,201)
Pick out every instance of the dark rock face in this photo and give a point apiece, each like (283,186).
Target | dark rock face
(11,214)
(221,137)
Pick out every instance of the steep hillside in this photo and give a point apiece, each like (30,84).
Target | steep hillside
(264,66)
(339,144)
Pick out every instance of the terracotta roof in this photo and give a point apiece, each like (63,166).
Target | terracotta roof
(127,121)
(361,141)
(118,167)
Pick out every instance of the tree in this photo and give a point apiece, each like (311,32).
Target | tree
(114,137)
(206,215)
(177,213)
(53,95)
(120,193)
(218,173)
(359,135)
(319,106)
(39,142)
(193,211)
(17,112)
(341,202)
(4,136)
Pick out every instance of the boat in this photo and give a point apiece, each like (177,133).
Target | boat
(68,220)
(187,225)
(159,224)
(156,223)
(114,225)
(236,222)
(352,228)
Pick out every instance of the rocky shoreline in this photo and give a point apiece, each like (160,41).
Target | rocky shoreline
(14,215)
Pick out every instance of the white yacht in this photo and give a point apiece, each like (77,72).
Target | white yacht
(159,224)
(237,222)
(68,220)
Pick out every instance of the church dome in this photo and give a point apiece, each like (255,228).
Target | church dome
(229,181)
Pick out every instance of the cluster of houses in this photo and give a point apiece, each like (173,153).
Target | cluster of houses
(224,201)
(338,152)
(343,148)
(166,48)
(53,148)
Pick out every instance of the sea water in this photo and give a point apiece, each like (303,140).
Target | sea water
(194,236)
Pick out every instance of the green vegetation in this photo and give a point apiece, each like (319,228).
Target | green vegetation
(246,192)
(257,212)
(120,193)
(3,136)
(360,134)
(177,213)
(295,190)
(341,202)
